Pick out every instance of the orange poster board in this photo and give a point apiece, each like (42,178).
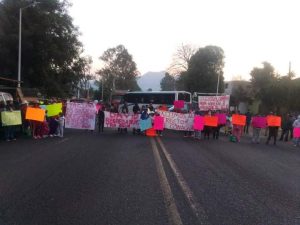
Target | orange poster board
(273,121)
(211,121)
(35,114)
(238,119)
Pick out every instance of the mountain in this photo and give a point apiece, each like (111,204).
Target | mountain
(150,80)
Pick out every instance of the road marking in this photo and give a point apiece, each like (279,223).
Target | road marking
(172,211)
(195,206)
(62,141)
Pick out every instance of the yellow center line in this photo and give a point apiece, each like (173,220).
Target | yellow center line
(172,211)
(189,195)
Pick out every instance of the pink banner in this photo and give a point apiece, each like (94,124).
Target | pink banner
(259,122)
(221,118)
(198,122)
(179,104)
(80,116)
(296,132)
(120,120)
(158,123)
(213,102)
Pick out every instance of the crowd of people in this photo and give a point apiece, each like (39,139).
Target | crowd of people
(54,125)
(50,127)
(235,132)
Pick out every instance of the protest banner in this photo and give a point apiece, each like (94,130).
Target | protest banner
(273,121)
(179,104)
(207,103)
(120,120)
(35,114)
(221,118)
(158,123)
(198,122)
(145,124)
(296,132)
(11,118)
(80,116)
(238,119)
(211,121)
(54,109)
(259,122)
(177,121)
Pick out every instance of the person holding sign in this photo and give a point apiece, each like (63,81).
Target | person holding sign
(238,121)
(274,122)
(9,130)
(258,122)
(296,134)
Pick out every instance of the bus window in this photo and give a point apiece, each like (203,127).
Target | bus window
(184,96)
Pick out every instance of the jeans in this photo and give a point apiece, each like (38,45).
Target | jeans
(256,133)
(296,141)
(9,132)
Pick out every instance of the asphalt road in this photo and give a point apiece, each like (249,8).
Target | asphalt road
(112,179)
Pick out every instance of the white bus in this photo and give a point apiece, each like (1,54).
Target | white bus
(157,98)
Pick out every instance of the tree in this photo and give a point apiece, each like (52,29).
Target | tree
(50,45)
(119,70)
(181,59)
(168,83)
(204,68)
(241,92)
(261,79)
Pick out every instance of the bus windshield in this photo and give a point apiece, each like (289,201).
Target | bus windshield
(157,98)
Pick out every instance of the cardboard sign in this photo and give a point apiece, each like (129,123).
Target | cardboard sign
(177,121)
(238,119)
(211,121)
(259,122)
(179,104)
(207,103)
(296,132)
(80,116)
(54,109)
(35,114)
(11,118)
(273,121)
(145,124)
(198,122)
(221,118)
(121,120)
(158,123)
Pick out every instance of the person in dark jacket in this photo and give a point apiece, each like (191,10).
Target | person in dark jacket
(287,124)
(101,116)
(248,122)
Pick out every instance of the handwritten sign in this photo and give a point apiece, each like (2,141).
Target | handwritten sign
(177,121)
(221,118)
(35,114)
(11,118)
(296,132)
(259,122)
(198,122)
(54,109)
(158,123)
(179,104)
(211,121)
(145,124)
(238,119)
(273,121)
(80,116)
(120,120)
(207,103)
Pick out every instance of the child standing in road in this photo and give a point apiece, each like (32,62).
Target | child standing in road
(61,123)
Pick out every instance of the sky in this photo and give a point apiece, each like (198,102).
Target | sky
(249,31)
